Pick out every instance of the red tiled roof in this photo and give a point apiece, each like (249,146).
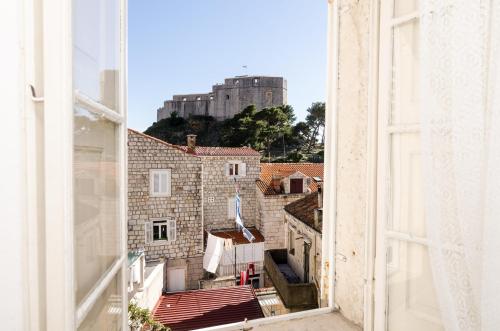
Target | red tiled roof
(205,150)
(156,140)
(303,210)
(221,151)
(237,236)
(204,308)
(267,170)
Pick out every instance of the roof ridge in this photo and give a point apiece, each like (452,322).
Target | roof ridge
(161,141)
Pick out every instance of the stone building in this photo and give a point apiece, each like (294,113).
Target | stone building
(228,99)
(178,192)
(223,170)
(303,230)
(165,208)
(278,185)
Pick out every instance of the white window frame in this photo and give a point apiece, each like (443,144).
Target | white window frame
(149,226)
(59,100)
(160,173)
(379,167)
(236,166)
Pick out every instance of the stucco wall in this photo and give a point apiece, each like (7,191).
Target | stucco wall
(217,188)
(352,157)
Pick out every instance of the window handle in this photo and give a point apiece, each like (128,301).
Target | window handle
(33,95)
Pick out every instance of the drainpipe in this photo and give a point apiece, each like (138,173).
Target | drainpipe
(330,207)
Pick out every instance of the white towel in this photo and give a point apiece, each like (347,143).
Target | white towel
(213,253)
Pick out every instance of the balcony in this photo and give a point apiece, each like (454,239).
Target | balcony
(295,295)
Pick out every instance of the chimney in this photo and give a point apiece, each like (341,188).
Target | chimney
(191,141)
(276,183)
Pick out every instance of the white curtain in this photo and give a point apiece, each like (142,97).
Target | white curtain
(460,91)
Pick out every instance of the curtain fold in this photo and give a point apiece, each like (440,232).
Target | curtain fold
(460,116)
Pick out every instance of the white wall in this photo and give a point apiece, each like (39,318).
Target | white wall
(14,304)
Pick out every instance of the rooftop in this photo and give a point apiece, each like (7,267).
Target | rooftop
(303,209)
(268,170)
(220,151)
(238,237)
(204,308)
(204,150)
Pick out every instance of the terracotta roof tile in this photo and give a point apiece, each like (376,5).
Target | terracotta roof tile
(221,151)
(205,150)
(303,209)
(267,170)
(204,308)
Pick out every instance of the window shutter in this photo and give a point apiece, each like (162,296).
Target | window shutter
(148,232)
(156,183)
(226,169)
(243,169)
(172,230)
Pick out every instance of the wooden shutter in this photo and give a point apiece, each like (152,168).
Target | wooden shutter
(226,169)
(243,169)
(148,232)
(172,230)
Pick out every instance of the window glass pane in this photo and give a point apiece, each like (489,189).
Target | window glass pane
(156,232)
(236,169)
(96,202)
(411,301)
(96,49)
(405,74)
(106,314)
(407,204)
(164,232)
(404,7)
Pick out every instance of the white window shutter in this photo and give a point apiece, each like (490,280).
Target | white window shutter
(226,169)
(172,230)
(148,232)
(243,169)
(155,184)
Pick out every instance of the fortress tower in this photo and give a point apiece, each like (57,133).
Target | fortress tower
(228,99)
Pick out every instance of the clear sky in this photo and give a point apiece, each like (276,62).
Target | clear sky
(186,46)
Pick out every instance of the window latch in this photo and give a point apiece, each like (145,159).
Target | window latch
(33,95)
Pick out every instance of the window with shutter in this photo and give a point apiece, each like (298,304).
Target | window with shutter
(172,230)
(236,168)
(160,183)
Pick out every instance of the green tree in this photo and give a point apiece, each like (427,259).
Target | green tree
(272,123)
(316,122)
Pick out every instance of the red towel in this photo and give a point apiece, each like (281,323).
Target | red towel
(243,278)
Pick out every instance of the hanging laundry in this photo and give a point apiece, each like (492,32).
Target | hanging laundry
(238,217)
(228,244)
(251,269)
(213,253)
(243,278)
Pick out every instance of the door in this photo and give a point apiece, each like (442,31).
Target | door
(307,250)
(405,296)
(176,279)
(296,185)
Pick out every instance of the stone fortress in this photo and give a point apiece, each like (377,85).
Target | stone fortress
(228,99)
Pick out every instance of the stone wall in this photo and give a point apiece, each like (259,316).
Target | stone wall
(184,204)
(271,217)
(230,98)
(217,188)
